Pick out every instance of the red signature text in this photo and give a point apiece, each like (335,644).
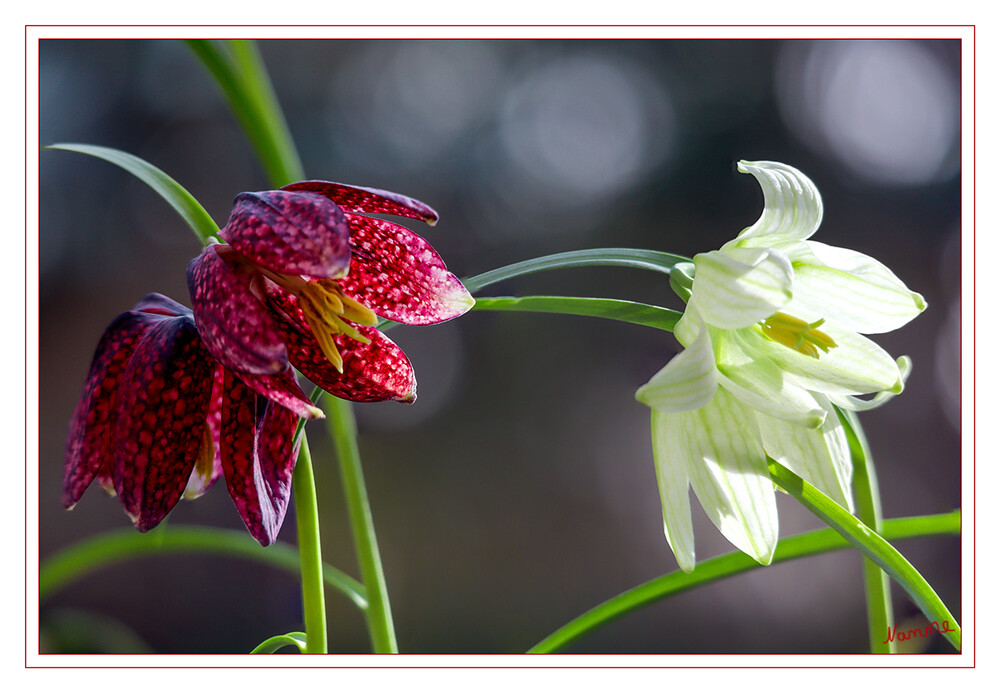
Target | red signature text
(896,634)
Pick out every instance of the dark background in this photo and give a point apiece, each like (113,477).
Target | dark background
(519,490)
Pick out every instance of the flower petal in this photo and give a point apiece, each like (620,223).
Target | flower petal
(399,276)
(373,372)
(283,389)
(208,466)
(855,290)
(856,404)
(163,402)
(688,381)
(729,475)
(760,383)
(353,198)
(258,458)
(740,286)
(819,455)
(857,365)
(672,458)
(793,208)
(290,232)
(159,304)
(89,446)
(235,326)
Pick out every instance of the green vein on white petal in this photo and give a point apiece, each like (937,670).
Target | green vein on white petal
(741,286)
(857,365)
(855,290)
(761,384)
(672,457)
(729,475)
(793,208)
(687,382)
(819,455)
(856,404)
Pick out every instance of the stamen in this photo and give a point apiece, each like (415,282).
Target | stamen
(798,335)
(328,312)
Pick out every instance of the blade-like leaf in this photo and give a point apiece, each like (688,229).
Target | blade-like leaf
(114,546)
(807,544)
(610,308)
(272,645)
(170,190)
(871,545)
(593,257)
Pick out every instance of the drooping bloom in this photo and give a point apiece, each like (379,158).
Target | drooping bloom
(302,279)
(773,339)
(161,419)
(176,398)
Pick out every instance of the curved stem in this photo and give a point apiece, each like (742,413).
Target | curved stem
(107,548)
(807,544)
(864,484)
(871,544)
(343,430)
(654,260)
(310,553)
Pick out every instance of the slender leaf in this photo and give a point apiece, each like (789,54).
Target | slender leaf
(871,544)
(115,546)
(800,546)
(593,257)
(609,308)
(240,74)
(170,190)
(272,645)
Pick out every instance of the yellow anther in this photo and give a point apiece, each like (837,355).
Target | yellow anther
(802,336)
(328,312)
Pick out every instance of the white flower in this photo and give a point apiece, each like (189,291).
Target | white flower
(771,331)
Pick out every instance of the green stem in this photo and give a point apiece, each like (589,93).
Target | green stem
(878,598)
(871,544)
(800,546)
(654,260)
(343,430)
(310,552)
(107,548)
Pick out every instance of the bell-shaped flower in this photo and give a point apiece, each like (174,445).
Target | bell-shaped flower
(301,281)
(772,337)
(160,419)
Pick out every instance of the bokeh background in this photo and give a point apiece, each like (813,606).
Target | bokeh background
(519,490)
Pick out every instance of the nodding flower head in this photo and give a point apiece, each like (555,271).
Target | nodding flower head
(758,376)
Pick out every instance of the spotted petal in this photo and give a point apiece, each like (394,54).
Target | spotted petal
(235,326)
(290,232)
(283,389)
(399,275)
(90,443)
(162,405)
(354,198)
(208,466)
(258,458)
(373,372)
